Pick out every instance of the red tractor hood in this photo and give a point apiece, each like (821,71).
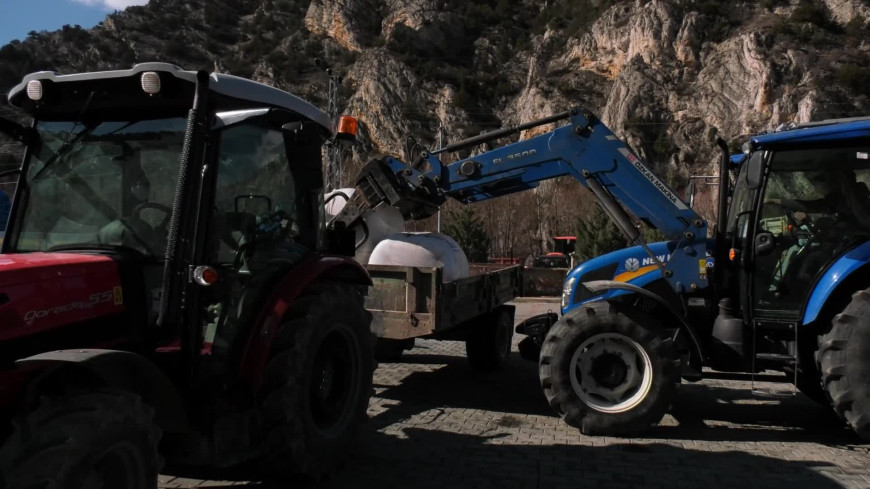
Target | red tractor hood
(41,291)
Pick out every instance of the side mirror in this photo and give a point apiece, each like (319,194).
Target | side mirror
(764,243)
(755,172)
(253,204)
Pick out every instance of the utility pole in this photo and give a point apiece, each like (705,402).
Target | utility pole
(332,170)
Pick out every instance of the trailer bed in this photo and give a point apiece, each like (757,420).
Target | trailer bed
(410,302)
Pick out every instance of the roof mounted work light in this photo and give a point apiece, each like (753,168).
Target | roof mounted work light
(34,90)
(150,82)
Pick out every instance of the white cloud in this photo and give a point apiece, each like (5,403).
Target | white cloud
(112,4)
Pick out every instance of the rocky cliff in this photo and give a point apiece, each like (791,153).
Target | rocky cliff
(669,76)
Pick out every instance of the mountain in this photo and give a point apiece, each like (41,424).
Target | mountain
(667,76)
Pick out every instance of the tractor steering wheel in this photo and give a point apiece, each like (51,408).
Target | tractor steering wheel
(162,226)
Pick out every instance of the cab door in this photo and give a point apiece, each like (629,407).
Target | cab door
(265,217)
(812,208)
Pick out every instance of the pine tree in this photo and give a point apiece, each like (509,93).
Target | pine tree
(468,231)
(597,236)
(651,235)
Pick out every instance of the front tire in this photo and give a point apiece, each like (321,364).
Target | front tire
(93,439)
(843,358)
(607,374)
(317,384)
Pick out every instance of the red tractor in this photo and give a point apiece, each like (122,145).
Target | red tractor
(168,288)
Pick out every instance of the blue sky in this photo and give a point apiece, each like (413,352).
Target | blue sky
(19,17)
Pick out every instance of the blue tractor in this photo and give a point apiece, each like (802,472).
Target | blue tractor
(780,282)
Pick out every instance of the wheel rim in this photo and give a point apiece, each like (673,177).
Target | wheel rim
(611,373)
(119,466)
(335,375)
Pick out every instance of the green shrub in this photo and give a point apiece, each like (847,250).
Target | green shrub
(811,12)
(468,231)
(597,236)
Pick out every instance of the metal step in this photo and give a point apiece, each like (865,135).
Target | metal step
(786,330)
(780,359)
(773,393)
(775,357)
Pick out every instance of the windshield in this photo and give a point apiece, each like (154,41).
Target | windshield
(102,184)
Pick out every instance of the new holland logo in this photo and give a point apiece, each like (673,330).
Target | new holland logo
(632,264)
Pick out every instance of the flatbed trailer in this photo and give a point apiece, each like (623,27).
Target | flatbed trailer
(410,302)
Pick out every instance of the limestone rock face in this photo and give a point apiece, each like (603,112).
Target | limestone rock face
(844,11)
(349,22)
(668,76)
(384,91)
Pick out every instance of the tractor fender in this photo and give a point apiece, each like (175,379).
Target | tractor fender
(285,292)
(854,263)
(597,287)
(110,368)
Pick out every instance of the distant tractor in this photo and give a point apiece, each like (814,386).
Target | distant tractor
(166,287)
(564,245)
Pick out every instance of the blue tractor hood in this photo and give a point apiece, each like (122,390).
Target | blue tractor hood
(630,265)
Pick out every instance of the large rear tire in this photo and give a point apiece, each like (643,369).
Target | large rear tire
(844,357)
(95,439)
(605,373)
(488,344)
(317,383)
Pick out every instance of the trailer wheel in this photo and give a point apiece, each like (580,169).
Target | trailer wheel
(488,344)
(843,357)
(317,383)
(100,438)
(605,373)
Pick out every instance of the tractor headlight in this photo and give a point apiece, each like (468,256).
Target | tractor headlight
(566,291)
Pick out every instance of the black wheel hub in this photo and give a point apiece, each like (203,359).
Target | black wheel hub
(609,370)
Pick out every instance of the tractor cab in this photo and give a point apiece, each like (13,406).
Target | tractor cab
(101,176)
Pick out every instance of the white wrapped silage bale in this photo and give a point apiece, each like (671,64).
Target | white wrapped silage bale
(422,250)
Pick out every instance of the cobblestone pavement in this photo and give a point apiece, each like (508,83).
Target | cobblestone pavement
(435,423)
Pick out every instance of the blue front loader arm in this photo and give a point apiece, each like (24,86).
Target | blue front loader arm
(588,151)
